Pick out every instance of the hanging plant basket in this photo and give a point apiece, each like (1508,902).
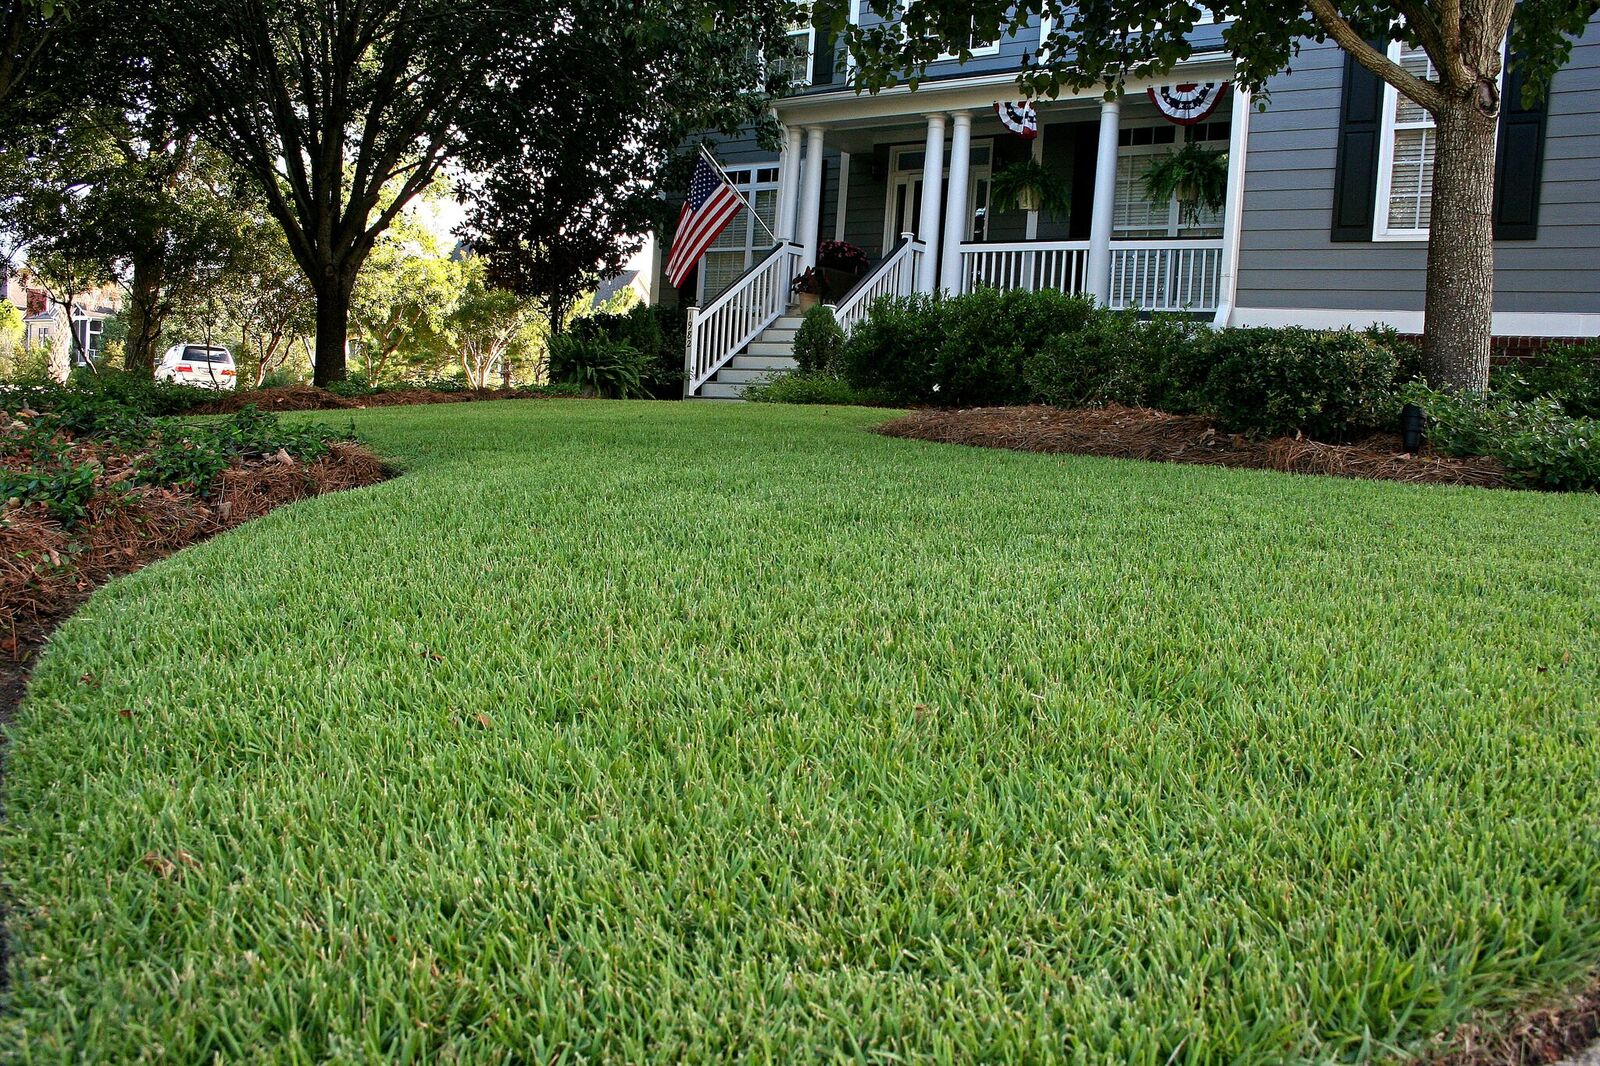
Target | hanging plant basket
(1029,186)
(1195,176)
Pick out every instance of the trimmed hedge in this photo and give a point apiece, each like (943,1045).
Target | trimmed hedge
(819,342)
(993,348)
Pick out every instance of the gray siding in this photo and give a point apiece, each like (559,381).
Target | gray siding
(1288,261)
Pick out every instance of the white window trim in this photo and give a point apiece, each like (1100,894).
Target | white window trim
(1175,227)
(1381,230)
(945,57)
(1207,17)
(807,76)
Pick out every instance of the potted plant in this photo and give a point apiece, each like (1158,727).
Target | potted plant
(809,288)
(1028,186)
(841,264)
(1195,175)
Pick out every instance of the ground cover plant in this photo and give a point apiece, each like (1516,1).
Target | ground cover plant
(677,732)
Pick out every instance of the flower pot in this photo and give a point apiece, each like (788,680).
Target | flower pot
(806,300)
(1028,199)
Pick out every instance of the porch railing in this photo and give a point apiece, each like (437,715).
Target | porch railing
(1028,265)
(1172,275)
(1166,275)
(895,276)
(721,329)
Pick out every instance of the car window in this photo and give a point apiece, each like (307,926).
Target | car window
(196,354)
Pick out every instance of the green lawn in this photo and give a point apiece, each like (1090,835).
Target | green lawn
(683,732)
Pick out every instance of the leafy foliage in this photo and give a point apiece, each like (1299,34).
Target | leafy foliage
(819,342)
(813,387)
(598,366)
(656,332)
(1026,178)
(1195,175)
(1541,444)
(1323,383)
(1568,374)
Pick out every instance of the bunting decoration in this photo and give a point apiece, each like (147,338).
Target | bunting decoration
(1189,103)
(1020,118)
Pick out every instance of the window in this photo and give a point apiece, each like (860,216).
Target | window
(978,43)
(733,252)
(797,62)
(1405,156)
(1134,215)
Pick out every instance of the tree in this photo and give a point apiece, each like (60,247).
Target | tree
(493,329)
(403,298)
(1102,44)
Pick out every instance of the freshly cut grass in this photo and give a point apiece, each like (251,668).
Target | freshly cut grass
(634,732)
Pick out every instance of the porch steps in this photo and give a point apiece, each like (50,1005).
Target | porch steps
(770,353)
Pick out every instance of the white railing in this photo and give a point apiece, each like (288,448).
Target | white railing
(1166,275)
(1024,265)
(895,276)
(721,329)
(1181,275)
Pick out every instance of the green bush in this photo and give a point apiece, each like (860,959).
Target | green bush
(1325,384)
(1568,374)
(111,403)
(599,367)
(814,387)
(656,333)
(1541,445)
(819,342)
(352,386)
(891,349)
(1115,358)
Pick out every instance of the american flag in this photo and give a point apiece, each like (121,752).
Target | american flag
(711,205)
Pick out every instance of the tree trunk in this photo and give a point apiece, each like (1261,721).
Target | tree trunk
(1459,309)
(144,318)
(333,327)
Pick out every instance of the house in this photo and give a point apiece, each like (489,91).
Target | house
(73,337)
(1324,221)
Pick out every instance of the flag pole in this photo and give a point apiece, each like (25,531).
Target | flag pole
(747,204)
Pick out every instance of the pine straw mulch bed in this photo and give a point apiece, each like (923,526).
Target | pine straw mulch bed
(1120,432)
(311,398)
(1535,1038)
(46,571)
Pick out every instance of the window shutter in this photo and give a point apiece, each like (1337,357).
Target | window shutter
(823,60)
(1518,163)
(1355,175)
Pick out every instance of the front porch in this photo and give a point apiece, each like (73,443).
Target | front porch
(913,187)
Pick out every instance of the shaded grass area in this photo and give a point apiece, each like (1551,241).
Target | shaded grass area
(664,731)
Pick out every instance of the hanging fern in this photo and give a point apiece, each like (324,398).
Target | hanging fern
(1016,182)
(1196,176)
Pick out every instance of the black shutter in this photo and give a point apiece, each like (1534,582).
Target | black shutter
(1518,162)
(823,59)
(1355,174)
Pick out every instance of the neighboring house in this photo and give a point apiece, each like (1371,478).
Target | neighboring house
(47,324)
(1325,222)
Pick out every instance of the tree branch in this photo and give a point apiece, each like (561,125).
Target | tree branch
(1425,93)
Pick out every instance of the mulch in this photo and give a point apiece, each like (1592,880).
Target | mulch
(46,571)
(311,398)
(1120,432)
(1535,1038)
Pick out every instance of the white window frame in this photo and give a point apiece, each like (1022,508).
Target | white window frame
(1388,128)
(807,76)
(1047,23)
(991,49)
(1175,227)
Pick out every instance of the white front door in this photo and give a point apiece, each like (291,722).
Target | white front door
(904,210)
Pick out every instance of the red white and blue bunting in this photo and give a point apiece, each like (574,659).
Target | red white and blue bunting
(1020,118)
(1189,103)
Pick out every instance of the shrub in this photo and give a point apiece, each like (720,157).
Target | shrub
(352,386)
(1568,374)
(599,367)
(1325,384)
(891,350)
(813,387)
(656,333)
(1541,444)
(1113,357)
(819,342)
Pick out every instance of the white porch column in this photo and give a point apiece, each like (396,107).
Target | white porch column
(788,183)
(1098,267)
(955,212)
(810,216)
(1233,210)
(928,223)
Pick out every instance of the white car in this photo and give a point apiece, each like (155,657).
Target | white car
(208,366)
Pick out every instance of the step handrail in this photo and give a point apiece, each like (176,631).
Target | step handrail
(720,330)
(896,275)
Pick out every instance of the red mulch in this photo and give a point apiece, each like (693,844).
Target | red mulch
(46,571)
(311,398)
(1121,432)
(1537,1038)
